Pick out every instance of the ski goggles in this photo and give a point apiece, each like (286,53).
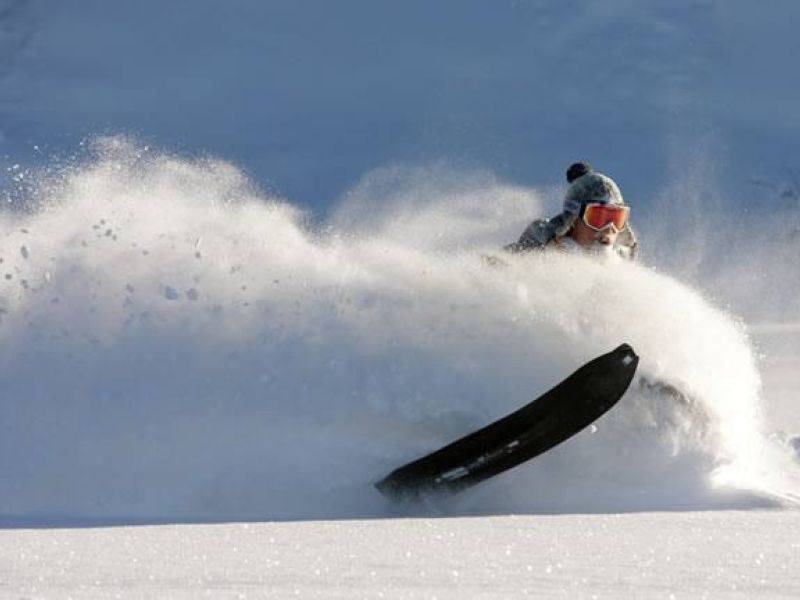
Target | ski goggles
(602,216)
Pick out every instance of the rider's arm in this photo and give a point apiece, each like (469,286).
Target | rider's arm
(536,235)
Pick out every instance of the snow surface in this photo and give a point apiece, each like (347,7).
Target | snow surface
(652,555)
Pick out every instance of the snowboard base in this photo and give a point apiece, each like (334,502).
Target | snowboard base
(547,421)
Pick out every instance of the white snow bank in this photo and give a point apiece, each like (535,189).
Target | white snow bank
(680,555)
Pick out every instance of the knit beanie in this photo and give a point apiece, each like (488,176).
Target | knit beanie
(591,187)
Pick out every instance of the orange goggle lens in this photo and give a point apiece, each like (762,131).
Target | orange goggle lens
(600,216)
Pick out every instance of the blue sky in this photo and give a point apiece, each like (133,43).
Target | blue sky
(309,96)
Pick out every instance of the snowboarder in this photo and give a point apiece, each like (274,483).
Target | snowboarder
(595,216)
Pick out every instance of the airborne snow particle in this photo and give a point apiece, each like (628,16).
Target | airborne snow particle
(170,293)
(24,251)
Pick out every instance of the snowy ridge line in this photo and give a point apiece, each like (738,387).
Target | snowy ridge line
(67,521)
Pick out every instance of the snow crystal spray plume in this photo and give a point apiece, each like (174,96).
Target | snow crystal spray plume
(743,256)
(177,345)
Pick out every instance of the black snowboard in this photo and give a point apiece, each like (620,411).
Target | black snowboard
(547,421)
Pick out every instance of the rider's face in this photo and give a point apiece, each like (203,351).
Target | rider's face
(586,236)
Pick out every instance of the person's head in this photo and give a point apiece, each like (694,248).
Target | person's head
(593,206)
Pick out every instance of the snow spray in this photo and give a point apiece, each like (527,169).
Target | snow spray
(177,344)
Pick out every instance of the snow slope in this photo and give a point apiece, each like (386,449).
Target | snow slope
(651,555)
